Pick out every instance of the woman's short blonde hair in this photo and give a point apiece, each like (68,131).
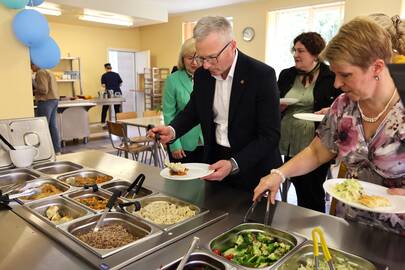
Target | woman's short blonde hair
(188,48)
(359,42)
(395,26)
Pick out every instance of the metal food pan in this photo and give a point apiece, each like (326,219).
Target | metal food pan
(58,167)
(38,183)
(147,200)
(225,240)
(75,196)
(300,256)
(123,186)
(136,227)
(87,174)
(8,178)
(68,207)
(200,260)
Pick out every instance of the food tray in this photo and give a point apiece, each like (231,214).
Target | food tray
(90,193)
(38,183)
(133,225)
(70,208)
(225,240)
(84,173)
(200,260)
(306,251)
(147,200)
(59,167)
(16,176)
(123,185)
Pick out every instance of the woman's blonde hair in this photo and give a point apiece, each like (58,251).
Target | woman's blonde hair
(188,48)
(395,27)
(359,42)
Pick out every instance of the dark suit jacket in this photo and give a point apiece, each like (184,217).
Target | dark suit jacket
(254,119)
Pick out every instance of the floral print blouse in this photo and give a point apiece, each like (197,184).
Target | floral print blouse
(379,160)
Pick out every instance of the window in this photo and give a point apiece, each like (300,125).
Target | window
(189,26)
(284,25)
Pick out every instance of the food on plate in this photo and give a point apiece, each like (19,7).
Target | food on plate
(349,190)
(108,236)
(254,249)
(176,168)
(374,201)
(57,215)
(94,202)
(80,181)
(338,262)
(162,212)
(46,191)
(352,191)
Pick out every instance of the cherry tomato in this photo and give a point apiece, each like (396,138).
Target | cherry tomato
(216,251)
(229,257)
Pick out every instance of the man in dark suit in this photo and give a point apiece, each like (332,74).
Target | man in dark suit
(236,101)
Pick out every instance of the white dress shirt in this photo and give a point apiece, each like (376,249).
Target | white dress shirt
(222,97)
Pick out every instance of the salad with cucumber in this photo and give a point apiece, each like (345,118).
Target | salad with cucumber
(254,249)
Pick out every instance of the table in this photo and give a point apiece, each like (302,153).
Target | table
(144,122)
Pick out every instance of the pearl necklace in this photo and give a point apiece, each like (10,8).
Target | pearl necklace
(375,119)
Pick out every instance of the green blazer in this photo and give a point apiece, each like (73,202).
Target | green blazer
(177,90)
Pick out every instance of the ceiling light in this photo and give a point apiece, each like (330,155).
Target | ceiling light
(106,17)
(105,20)
(47,9)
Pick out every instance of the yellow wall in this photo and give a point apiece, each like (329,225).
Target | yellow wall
(91,44)
(245,14)
(16,90)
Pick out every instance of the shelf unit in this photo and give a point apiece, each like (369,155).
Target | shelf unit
(154,79)
(68,76)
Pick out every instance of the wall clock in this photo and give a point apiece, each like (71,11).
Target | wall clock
(248,33)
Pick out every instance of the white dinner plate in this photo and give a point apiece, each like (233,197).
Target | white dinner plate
(288,101)
(397,201)
(195,171)
(309,116)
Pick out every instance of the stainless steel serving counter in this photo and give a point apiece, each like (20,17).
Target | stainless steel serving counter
(24,247)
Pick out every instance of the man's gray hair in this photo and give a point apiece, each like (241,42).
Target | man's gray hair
(212,24)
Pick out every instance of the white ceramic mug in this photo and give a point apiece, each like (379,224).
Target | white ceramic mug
(23,156)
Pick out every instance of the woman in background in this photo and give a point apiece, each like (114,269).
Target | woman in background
(311,83)
(177,90)
(365,127)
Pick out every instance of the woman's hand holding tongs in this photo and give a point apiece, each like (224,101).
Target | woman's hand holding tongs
(271,183)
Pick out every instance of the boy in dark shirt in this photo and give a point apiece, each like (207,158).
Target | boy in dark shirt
(110,81)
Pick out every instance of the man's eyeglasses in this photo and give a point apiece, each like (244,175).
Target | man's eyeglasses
(211,59)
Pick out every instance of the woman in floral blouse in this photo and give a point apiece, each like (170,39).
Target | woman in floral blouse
(365,127)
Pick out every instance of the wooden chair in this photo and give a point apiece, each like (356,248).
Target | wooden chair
(341,174)
(124,145)
(148,113)
(135,139)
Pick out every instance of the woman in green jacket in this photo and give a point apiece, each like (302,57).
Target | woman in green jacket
(177,90)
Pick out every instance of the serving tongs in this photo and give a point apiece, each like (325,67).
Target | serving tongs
(18,190)
(188,253)
(325,249)
(135,187)
(253,206)
(109,206)
(160,145)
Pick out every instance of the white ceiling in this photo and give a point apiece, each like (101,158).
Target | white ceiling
(180,6)
(144,12)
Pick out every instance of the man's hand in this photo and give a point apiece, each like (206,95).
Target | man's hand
(178,154)
(283,106)
(397,191)
(165,133)
(222,169)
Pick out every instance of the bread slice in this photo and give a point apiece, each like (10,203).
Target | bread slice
(374,201)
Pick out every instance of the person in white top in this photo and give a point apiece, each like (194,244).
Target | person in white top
(236,101)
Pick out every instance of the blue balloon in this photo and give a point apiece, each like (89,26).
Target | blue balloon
(16,4)
(47,55)
(30,27)
(34,3)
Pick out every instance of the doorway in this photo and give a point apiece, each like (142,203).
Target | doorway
(129,64)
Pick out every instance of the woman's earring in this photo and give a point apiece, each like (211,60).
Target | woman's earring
(376,78)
